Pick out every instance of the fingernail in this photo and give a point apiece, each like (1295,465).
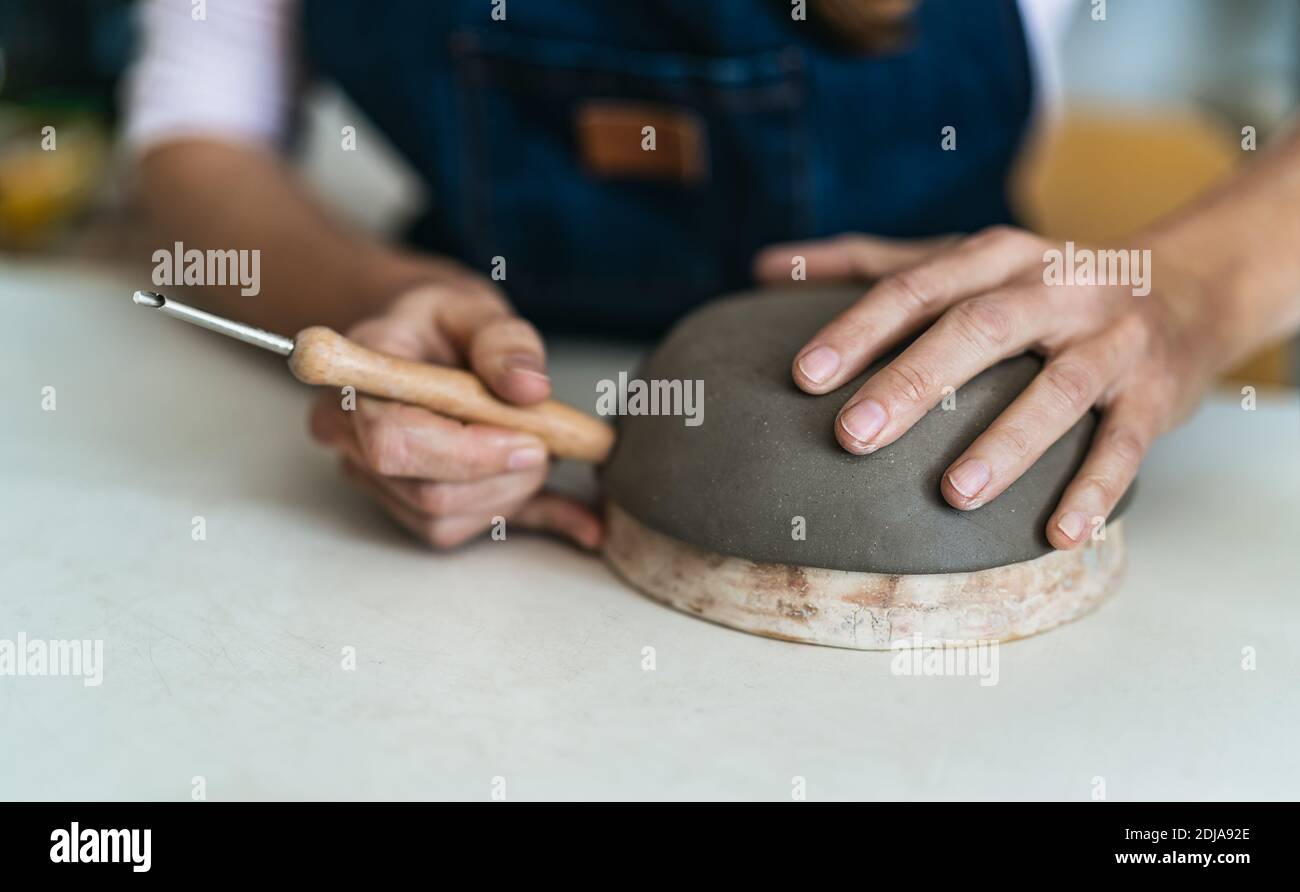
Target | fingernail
(526,363)
(863,420)
(819,364)
(1072,524)
(969,477)
(526,457)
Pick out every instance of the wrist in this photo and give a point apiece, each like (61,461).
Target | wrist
(1201,295)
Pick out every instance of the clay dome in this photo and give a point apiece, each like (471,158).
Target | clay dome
(765,454)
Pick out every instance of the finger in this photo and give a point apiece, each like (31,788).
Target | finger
(438,532)
(1122,439)
(507,353)
(846,257)
(504,350)
(1068,386)
(491,495)
(554,513)
(972,336)
(906,300)
(546,512)
(397,440)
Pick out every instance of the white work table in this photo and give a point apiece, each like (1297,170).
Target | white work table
(523,659)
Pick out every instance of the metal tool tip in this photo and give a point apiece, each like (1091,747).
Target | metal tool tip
(148,299)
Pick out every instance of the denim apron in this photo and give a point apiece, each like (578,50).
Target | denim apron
(800,138)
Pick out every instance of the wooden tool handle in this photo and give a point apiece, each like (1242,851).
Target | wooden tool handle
(323,356)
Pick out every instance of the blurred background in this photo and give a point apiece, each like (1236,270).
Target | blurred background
(1154,101)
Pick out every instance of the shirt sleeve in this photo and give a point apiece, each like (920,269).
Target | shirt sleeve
(225,69)
(1045,23)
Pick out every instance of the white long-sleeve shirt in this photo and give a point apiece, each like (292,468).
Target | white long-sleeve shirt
(234,74)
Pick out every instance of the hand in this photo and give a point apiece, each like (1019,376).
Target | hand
(1143,361)
(441,479)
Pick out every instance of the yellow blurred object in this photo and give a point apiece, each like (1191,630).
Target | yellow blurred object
(47,178)
(1103,175)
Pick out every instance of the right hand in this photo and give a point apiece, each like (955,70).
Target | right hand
(441,479)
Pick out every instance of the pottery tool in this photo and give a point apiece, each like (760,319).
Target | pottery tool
(319,355)
(757,519)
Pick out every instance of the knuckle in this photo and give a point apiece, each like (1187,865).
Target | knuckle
(1072,384)
(913,289)
(850,329)
(1103,487)
(385,446)
(477,458)
(1127,446)
(984,322)
(1013,439)
(910,382)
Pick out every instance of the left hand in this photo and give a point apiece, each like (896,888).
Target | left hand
(1143,361)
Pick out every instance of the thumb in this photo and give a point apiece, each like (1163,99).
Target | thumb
(505,351)
(553,513)
(455,325)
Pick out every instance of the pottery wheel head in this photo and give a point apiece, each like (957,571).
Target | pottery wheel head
(764,455)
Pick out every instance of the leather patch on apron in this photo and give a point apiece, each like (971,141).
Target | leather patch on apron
(628,140)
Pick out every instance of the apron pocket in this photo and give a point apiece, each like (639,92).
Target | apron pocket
(623,187)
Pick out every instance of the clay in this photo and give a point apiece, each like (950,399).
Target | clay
(766,455)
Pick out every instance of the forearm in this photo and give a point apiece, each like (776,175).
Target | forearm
(1234,255)
(313,269)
